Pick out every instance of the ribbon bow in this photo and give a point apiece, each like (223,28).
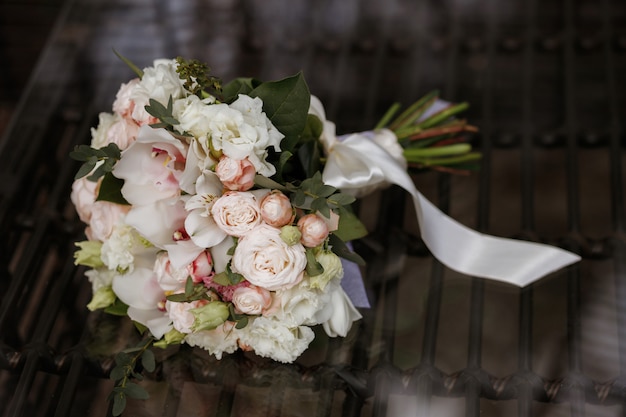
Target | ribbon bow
(356,161)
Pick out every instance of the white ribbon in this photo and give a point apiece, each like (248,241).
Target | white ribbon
(356,161)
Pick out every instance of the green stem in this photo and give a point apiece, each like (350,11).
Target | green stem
(387,116)
(472,156)
(456,149)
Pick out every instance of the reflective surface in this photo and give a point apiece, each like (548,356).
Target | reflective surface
(547,88)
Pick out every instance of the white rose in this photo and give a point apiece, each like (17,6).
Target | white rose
(273,339)
(259,133)
(236,212)
(168,277)
(195,115)
(266,261)
(123,104)
(159,82)
(251,300)
(104,216)
(223,339)
(100,134)
(123,132)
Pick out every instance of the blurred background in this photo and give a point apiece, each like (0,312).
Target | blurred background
(546,82)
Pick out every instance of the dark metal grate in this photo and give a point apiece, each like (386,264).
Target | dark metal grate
(547,87)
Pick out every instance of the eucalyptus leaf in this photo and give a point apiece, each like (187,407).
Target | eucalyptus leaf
(119,404)
(117,373)
(342,250)
(133,390)
(148,361)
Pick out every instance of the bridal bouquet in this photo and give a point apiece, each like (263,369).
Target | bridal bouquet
(220,215)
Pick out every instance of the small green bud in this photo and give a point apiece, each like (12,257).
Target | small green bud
(88,254)
(210,315)
(173,337)
(290,235)
(102,298)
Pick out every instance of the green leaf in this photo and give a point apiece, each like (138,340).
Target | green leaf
(320,204)
(313,128)
(111,190)
(118,308)
(119,404)
(341,199)
(238,86)
(81,153)
(221,279)
(123,359)
(350,227)
(86,168)
(242,322)
(147,360)
(298,198)
(286,103)
(133,390)
(342,250)
(128,62)
(264,182)
(189,286)
(117,373)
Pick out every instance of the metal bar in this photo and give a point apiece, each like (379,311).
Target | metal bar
(573,286)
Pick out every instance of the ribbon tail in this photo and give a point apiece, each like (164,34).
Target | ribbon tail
(455,245)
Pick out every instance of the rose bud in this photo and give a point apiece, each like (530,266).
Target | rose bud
(276,209)
(252,300)
(236,175)
(314,230)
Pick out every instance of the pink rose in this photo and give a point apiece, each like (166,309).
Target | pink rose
(123,105)
(265,260)
(276,209)
(314,230)
(104,216)
(236,212)
(182,318)
(236,175)
(83,196)
(252,300)
(123,133)
(201,267)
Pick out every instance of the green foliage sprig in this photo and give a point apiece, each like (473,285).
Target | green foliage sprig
(126,369)
(106,156)
(197,79)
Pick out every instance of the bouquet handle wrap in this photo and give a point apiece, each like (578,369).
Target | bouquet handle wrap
(356,161)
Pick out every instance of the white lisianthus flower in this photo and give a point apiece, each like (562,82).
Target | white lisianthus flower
(265,260)
(299,305)
(159,82)
(340,313)
(273,339)
(222,339)
(120,249)
(333,269)
(99,278)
